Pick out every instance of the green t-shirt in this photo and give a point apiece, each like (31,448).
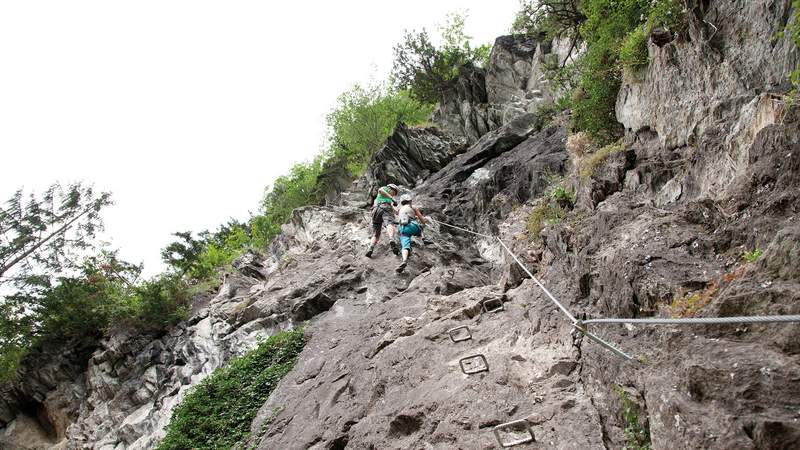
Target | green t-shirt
(382,198)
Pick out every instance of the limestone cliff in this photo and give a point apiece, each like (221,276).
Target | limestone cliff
(709,167)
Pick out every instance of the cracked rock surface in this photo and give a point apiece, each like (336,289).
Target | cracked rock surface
(709,169)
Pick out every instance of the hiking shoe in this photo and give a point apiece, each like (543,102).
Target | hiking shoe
(401,267)
(369,253)
(395,248)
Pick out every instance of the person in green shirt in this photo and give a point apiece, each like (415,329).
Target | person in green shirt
(383,216)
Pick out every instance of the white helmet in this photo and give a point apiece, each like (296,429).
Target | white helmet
(405,198)
(393,187)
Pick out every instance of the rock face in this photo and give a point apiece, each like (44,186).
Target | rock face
(709,169)
(513,84)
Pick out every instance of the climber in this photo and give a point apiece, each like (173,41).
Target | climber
(411,221)
(383,216)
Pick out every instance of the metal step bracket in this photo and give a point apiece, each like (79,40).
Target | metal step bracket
(493,305)
(459,334)
(473,364)
(517,427)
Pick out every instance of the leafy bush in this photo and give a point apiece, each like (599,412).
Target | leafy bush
(752,256)
(218,412)
(633,52)
(427,71)
(79,310)
(220,251)
(364,117)
(608,23)
(637,437)
(358,126)
(590,164)
(615,33)
(200,258)
(160,303)
(667,14)
(545,213)
(552,17)
(296,189)
(563,197)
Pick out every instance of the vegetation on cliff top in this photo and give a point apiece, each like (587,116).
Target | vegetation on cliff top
(615,33)
(53,293)
(218,412)
(358,125)
(427,71)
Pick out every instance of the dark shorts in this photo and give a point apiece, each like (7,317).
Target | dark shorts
(382,216)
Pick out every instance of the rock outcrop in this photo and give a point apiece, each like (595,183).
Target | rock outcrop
(709,168)
(515,82)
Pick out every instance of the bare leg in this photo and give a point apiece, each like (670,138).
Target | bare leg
(390,231)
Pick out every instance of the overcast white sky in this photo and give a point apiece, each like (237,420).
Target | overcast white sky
(187,110)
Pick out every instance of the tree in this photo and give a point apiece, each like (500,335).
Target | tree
(426,71)
(553,17)
(79,308)
(183,253)
(199,258)
(42,236)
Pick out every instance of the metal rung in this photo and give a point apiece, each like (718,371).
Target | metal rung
(485,305)
(484,367)
(514,424)
(455,336)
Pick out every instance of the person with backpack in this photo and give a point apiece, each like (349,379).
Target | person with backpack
(383,217)
(411,221)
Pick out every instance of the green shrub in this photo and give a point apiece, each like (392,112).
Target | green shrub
(633,52)
(545,213)
(563,197)
(551,17)
(752,256)
(637,437)
(357,127)
(590,164)
(80,310)
(616,33)
(218,412)
(667,14)
(608,23)
(427,71)
(219,253)
(364,117)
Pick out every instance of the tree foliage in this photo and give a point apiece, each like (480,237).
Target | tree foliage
(43,235)
(555,18)
(364,117)
(427,71)
(80,308)
(358,125)
(200,257)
